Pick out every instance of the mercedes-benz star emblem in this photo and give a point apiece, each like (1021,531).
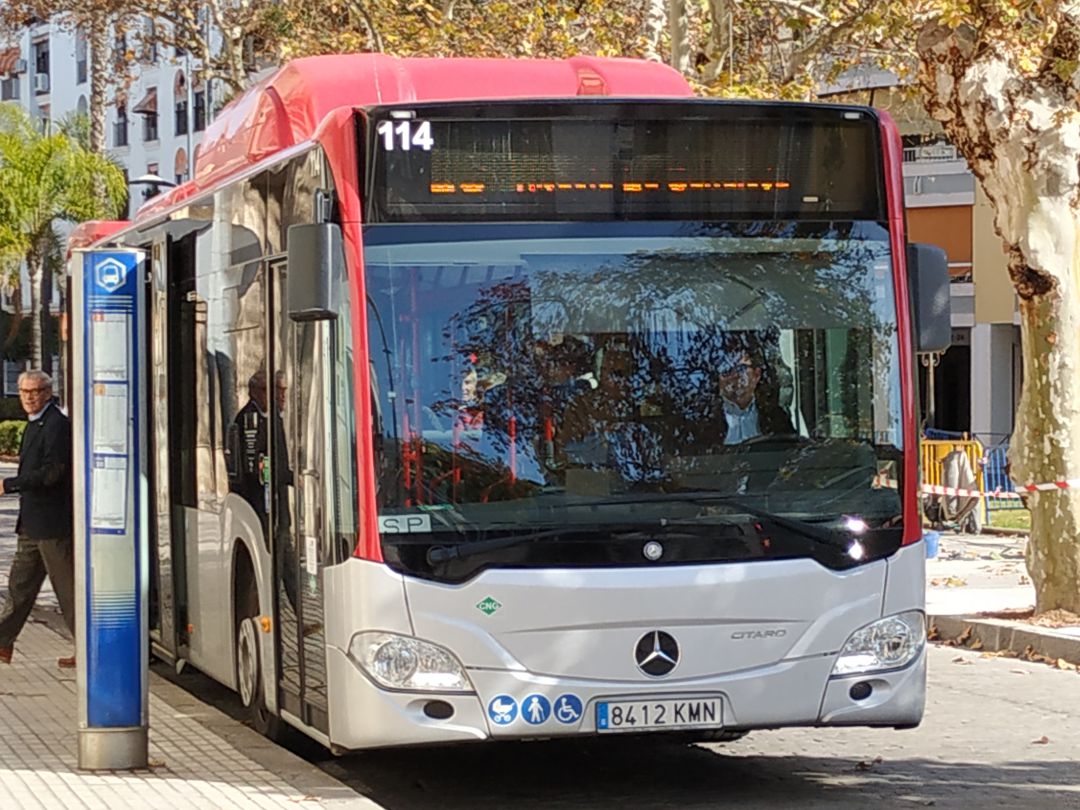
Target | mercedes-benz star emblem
(657,653)
(653,551)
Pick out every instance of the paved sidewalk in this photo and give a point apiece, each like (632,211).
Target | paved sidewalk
(199,757)
(978,574)
(978,593)
(190,765)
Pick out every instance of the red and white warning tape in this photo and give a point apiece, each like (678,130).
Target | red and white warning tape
(955,492)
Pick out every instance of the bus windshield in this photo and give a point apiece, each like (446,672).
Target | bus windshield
(528,378)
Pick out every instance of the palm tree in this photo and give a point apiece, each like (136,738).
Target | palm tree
(45,179)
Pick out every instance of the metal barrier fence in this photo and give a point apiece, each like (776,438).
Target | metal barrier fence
(988,464)
(935,450)
(951,510)
(997,480)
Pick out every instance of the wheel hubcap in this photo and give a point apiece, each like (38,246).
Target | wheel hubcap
(247,665)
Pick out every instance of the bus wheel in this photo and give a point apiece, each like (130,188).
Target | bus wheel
(249,680)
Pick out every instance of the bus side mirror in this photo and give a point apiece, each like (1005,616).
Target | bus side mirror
(928,285)
(315,271)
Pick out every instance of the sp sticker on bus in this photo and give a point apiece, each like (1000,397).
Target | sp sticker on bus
(405,524)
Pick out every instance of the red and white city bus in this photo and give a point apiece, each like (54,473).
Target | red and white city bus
(496,399)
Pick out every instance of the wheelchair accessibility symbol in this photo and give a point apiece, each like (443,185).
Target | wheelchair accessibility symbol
(567,709)
(110,274)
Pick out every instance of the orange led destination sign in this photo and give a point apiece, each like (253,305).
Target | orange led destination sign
(630,187)
(564,161)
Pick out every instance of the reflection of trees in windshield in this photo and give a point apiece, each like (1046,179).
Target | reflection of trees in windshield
(586,372)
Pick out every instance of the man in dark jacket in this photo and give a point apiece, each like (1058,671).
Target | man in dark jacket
(252,447)
(253,480)
(43,484)
(749,399)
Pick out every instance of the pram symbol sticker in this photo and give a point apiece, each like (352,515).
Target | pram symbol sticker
(502,710)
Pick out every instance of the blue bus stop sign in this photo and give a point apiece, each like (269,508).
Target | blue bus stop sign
(110,527)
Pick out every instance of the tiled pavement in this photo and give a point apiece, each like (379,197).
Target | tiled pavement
(199,758)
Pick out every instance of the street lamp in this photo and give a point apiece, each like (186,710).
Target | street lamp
(153,184)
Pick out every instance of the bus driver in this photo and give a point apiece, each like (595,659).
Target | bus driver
(749,397)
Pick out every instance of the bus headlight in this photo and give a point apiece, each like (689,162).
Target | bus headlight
(403,662)
(889,643)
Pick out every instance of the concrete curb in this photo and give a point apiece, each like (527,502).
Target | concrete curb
(997,635)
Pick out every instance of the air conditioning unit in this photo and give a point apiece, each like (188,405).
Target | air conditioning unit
(20,66)
(41,82)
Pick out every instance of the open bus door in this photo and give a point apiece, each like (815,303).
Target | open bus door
(170,326)
(299,393)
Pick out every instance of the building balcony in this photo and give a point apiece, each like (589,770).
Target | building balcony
(931,153)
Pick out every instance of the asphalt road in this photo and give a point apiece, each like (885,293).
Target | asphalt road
(981,745)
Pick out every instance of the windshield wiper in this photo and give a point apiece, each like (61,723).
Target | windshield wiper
(439,554)
(811,531)
(818,534)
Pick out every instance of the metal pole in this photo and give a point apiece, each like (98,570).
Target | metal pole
(930,361)
(189,111)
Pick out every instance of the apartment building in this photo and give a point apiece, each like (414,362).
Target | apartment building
(974,387)
(153,124)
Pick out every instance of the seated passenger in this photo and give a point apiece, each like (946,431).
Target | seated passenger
(612,424)
(470,416)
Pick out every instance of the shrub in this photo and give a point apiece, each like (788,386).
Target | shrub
(11,408)
(11,432)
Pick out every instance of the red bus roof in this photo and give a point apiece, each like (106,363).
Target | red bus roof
(287,107)
(86,234)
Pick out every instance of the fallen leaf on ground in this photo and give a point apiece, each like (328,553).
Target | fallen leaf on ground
(1043,740)
(961,660)
(1063,664)
(1031,655)
(976,644)
(1012,614)
(948,582)
(865,766)
(1055,618)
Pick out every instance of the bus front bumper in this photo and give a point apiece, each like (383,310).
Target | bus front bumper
(789,693)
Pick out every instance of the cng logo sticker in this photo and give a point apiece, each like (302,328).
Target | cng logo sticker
(488,605)
(110,274)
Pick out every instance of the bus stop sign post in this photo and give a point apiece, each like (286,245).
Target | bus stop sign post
(108,417)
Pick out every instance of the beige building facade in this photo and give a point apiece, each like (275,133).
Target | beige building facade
(976,383)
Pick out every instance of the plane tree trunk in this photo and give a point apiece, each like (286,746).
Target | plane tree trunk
(1020,131)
